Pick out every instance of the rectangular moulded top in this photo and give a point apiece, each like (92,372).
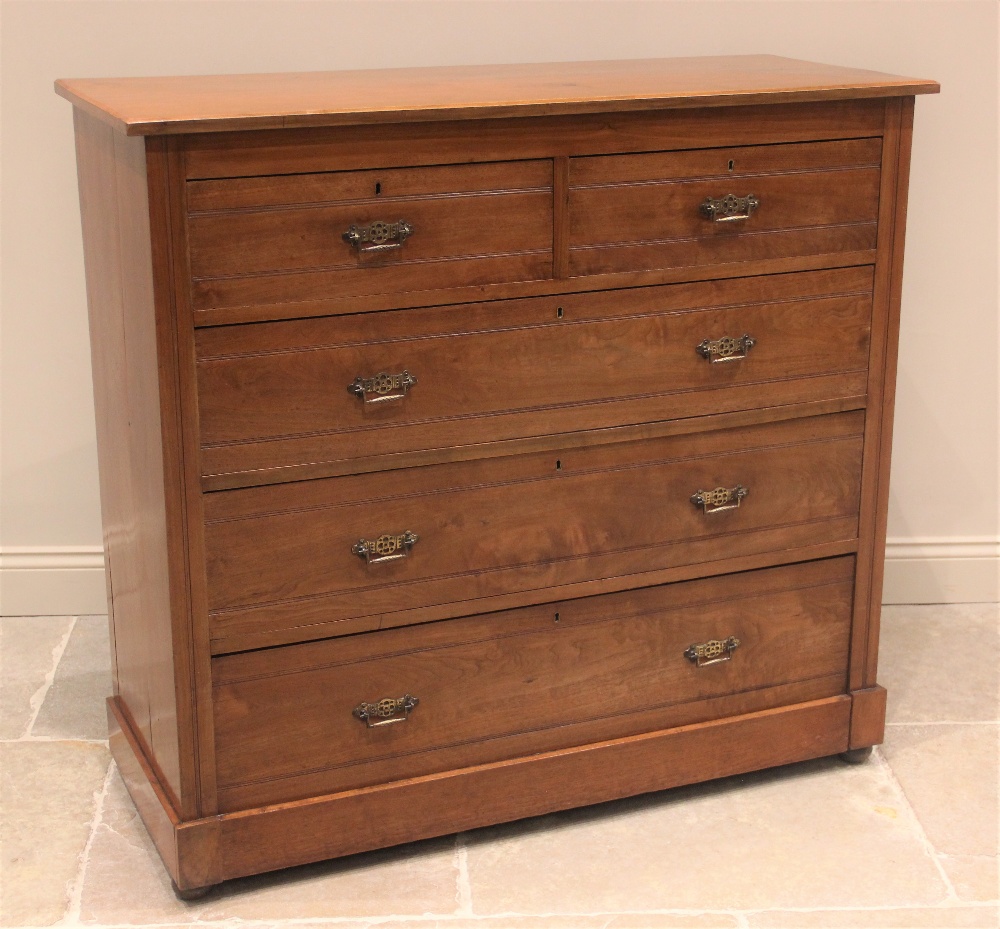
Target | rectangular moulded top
(186,104)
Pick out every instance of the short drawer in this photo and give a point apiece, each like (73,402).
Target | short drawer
(297,559)
(288,238)
(722,206)
(300,394)
(344,713)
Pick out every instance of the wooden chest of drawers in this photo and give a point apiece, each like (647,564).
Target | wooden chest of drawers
(482,442)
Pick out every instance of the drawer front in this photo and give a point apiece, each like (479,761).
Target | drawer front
(301,237)
(290,394)
(291,555)
(288,721)
(669,209)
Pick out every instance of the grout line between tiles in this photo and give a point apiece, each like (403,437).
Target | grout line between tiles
(924,839)
(464,886)
(38,697)
(72,915)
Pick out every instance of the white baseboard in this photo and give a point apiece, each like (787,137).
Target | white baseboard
(52,581)
(942,570)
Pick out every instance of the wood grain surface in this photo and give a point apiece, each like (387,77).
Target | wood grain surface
(391,144)
(891,271)
(274,396)
(137,445)
(881,391)
(401,811)
(251,841)
(549,303)
(156,105)
(264,170)
(509,684)
(868,716)
(636,212)
(471,224)
(280,557)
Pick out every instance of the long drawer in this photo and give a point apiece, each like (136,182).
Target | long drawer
(287,238)
(723,205)
(280,396)
(344,713)
(314,553)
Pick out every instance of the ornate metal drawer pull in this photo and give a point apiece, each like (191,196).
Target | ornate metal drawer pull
(722,498)
(385,711)
(382,386)
(726,348)
(378,236)
(729,208)
(385,547)
(712,652)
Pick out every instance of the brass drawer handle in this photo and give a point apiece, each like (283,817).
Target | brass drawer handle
(385,711)
(378,236)
(722,498)
(729,208)
(386,547)
(726,348)
(382,386)
(712,652)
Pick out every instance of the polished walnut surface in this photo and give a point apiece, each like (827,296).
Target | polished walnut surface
(552,423)
(158,105)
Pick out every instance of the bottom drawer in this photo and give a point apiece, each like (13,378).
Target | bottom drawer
(303,720)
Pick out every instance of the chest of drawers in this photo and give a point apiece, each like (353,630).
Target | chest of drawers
(482,442)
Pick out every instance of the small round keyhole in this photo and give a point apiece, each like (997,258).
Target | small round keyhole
(557,617)
(732,164)
(378,185)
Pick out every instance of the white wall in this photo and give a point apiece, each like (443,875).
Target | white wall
(943,522)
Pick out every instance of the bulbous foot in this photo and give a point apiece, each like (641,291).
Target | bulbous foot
(195,893)
(856,755)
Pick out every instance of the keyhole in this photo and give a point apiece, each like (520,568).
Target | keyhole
(732,164)
(558,465)
(559,312)
(378,185)
(557,617)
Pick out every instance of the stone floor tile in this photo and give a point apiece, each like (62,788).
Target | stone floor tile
(941,662)
(949,776)
(976,878)
(557,921)
(46,810)
(125,881)
(940,917)
(74,705)
(26,657)
(796,836)
(665,920)
(405,881)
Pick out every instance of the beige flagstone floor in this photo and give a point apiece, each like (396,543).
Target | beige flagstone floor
(907,840)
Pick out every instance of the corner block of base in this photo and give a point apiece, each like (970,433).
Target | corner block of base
(867,718)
